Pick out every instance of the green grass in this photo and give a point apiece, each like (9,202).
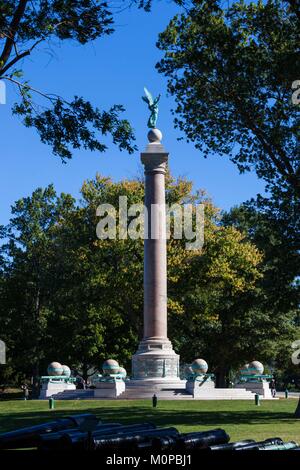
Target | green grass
(240,419)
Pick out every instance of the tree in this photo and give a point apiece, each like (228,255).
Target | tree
(64,124)
(29,276)
(279,287)
(231,71)
(281,260)
(89,291)
(97,309)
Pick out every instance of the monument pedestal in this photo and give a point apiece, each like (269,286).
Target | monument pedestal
(156,362)
(109,389)
(199,386)
(51,388)
(261,388)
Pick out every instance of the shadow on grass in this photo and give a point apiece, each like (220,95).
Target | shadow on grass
(161,417)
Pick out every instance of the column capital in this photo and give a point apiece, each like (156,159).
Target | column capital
(154,162)
(155,158)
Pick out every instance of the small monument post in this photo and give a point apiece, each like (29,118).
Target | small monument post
(155,360)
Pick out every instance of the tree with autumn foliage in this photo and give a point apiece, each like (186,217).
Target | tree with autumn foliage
(83,296)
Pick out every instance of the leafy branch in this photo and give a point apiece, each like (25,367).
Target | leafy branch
(65,125)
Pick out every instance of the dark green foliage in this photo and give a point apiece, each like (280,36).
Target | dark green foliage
(63,125)
(231,71)
(279,289)
(74,124)
(81,20)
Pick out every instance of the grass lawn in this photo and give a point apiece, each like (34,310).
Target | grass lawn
(240,419)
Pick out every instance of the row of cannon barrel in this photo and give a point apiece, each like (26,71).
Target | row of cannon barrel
(85,432)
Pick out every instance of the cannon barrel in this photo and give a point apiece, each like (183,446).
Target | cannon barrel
(29,436)
(132,439)
(231,445)
(53,440)
(165,443)
(131,428)
(159,443)
(190,441)
(202,440)
(274,441)
(77,440)
(284,446)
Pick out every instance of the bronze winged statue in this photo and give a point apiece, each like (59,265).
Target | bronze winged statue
(153,107)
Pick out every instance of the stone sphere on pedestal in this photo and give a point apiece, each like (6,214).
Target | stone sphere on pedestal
(55,368)
(122,372)
(155,136)
(110,366)
(199,366)
(66,371)
(256,368)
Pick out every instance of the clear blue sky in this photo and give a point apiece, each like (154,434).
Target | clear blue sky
(109,71)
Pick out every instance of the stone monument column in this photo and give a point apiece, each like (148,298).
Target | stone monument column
(155,359)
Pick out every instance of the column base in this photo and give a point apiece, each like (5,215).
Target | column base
(156,362)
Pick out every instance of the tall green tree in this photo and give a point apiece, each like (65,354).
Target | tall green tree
(279,288)
(231,70)
(98,307)
(29,276)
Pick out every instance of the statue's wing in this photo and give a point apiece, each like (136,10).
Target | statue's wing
(149,96)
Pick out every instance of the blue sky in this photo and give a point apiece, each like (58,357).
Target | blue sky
(111,70)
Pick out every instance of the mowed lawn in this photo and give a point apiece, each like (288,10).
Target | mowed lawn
(240,419)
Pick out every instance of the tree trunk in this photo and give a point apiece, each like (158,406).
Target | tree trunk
(222,380)
(34,380)
(85,372)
